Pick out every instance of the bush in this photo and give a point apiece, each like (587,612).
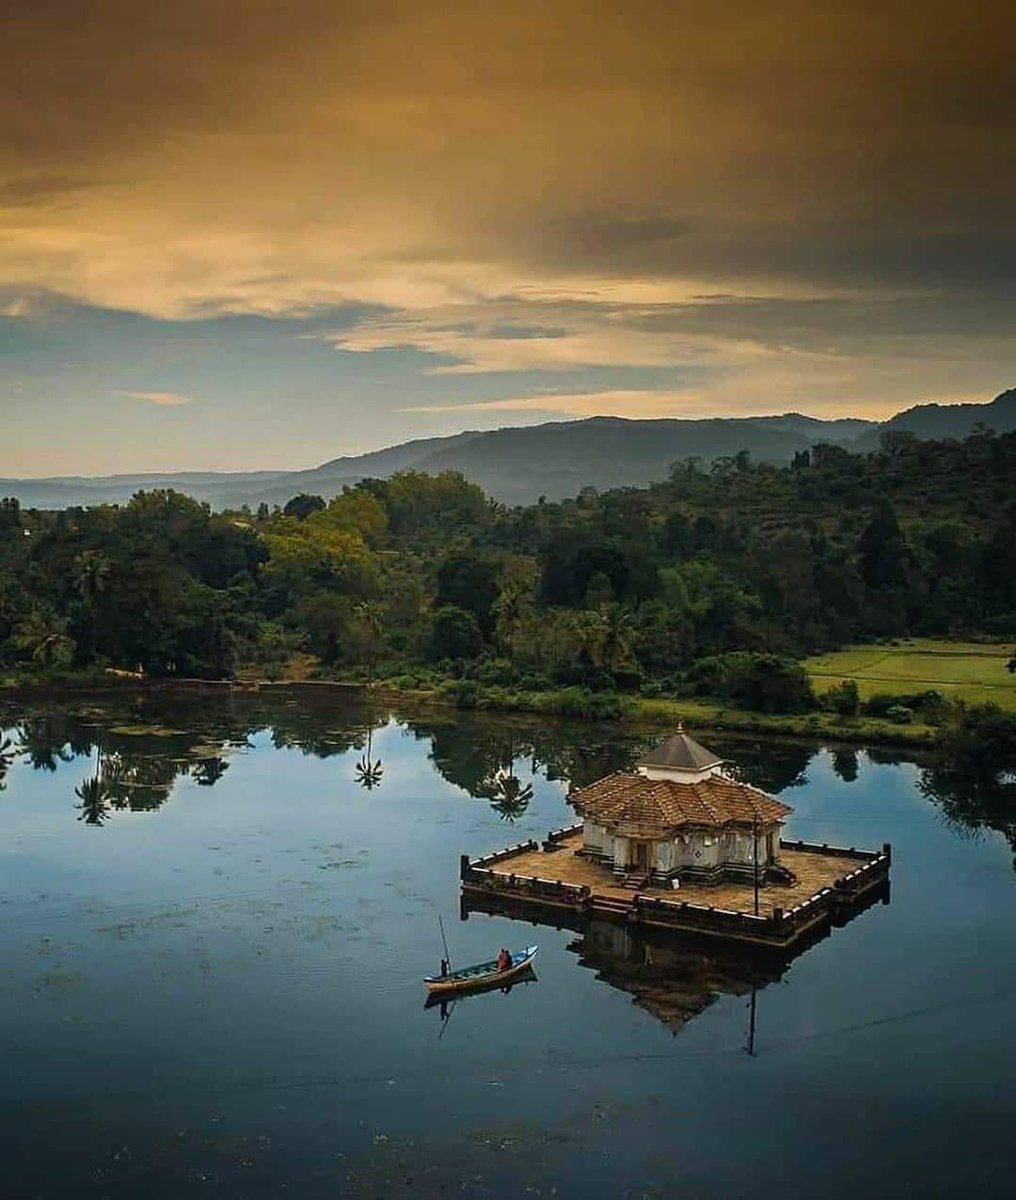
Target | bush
(985,734)
(496,671)
(628,679)
(929,702)
(844,698)
(761,682)
(581,702)
(466,693)
(899,714)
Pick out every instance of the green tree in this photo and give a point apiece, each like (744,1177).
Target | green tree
(883,551)
(470,580)
(302,506)
(370,615)
(42,639)
(455,634)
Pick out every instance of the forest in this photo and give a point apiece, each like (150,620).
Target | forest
(713,582)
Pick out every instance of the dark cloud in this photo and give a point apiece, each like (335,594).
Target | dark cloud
(843,170)
(855,324)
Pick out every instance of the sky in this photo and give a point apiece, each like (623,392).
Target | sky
(255,234)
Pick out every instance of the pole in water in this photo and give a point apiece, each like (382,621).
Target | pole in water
(444,942)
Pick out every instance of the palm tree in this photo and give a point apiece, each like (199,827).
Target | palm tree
(44,638)
(618,630)
(92,570)
(371,615)
(588,630)
(509,609)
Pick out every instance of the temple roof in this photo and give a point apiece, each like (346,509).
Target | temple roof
(680,752)
(634,804)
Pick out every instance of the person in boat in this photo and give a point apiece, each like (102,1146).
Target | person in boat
(504,960)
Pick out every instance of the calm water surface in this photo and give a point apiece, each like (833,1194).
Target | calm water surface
(215,915)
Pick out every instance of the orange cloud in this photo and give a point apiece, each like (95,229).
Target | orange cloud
(161,399)
(441,162)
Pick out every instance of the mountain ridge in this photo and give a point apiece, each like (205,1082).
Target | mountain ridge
(518,464)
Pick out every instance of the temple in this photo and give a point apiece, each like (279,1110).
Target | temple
(679,816)
(679,843)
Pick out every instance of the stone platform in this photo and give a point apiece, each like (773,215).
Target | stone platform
(830,882)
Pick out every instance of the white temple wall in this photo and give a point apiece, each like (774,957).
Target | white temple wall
(594,837)
(697,848)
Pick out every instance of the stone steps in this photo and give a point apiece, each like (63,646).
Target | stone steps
(635,882)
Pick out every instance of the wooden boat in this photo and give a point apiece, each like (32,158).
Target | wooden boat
(481,975)
(446,999)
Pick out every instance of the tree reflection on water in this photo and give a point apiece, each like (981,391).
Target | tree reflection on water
(7,757)
(369,770)
(975,791)
(150,741)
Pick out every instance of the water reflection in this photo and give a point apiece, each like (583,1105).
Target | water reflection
(845,764)
(673,976)
(48,739)
(769,764)
(369,770)
(674,979)
(231,989)
(974,795)
(94,796)
(145,743)
(7,757)
(467,752)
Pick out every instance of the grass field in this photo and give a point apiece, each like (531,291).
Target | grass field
(967,671)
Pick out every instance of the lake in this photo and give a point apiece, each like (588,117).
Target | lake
(217,910)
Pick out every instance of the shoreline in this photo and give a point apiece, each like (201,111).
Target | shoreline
(637,711)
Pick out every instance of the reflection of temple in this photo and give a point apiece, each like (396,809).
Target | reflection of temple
(675,976)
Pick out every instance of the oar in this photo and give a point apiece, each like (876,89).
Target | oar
(444,942)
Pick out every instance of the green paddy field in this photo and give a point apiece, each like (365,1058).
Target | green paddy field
(969,671)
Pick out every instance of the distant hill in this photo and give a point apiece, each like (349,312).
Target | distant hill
(519,465)
(940,421)
(556,460)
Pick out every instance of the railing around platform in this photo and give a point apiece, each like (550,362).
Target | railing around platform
(780,926)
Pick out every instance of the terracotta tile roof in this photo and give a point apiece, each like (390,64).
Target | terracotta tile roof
(628,801)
